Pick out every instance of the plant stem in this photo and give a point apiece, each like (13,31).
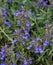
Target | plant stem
(5,34)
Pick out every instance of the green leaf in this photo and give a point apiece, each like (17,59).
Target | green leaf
(31,17)
(24,1)
(0,36)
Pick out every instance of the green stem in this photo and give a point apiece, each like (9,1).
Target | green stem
(42,55)
(43,11)
(37,27)
(5,34)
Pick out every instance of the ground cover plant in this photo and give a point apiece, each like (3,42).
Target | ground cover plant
(26,32)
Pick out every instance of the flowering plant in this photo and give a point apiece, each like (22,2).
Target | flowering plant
(26,32)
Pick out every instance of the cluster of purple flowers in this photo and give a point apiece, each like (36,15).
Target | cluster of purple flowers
(26,62)
(22,32)
(2,63)
(44,2)
(38,49)
(35,45)
(14,41)
(2,54)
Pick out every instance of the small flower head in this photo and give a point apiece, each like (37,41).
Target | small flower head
(2,57)
(29,11)
(2,63)
(34,3)
(30,60)
(18,23)
(23,43)
(18,55)
(36,50)
(37,7)
(44,3)
(40,50)
(26,32)
(8,0)
(40,1)
(14,41)
(47,25)
(16,13)
(45,42)
(2,54)
(7,23)
(23,36)
(25,62)
(27,25)
(29,47)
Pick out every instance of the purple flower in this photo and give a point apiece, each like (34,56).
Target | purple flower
(40,1)
(37,7)
(25,31)
(29,11)
(40,50)
(47,25)
(27,25)
(2,63)
(7,23)
(25,62)
(30,60)
(2,54)
(23,36)
(25,14)
(16,13)
(2,49)
(37,38)
(45,42)
(36,50)
(34,3)
(23,42)
(2,57)
(14,41)
(18,23)
(8,0)
(14,33)
(45,4)
(18,55)
(29,46)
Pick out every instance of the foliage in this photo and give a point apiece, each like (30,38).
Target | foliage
(26,32)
